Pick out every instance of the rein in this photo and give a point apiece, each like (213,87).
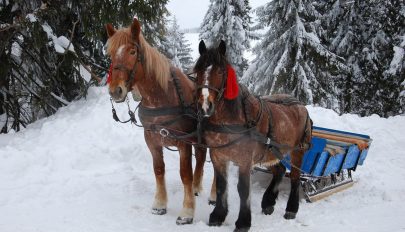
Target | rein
(131,114)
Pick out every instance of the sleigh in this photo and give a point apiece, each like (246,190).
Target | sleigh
(328,166)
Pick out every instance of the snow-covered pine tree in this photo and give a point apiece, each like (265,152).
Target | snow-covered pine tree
(384,25)
(369,34)
(228,20)
(291,58)
(36,75)
(179,48)
(340,36)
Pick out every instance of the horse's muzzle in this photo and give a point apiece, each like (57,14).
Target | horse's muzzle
(118,94)
(209,111)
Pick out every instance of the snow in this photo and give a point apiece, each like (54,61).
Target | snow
(32,18)
(65,43)
(84,73)
(16,49)
(397,60)
(79,170)
(60,43)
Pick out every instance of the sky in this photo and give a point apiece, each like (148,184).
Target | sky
(190,13)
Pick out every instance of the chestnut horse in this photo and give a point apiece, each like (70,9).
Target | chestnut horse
(167,95)
(248,130)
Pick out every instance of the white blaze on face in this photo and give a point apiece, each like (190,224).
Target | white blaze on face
(205,91)
(120,51)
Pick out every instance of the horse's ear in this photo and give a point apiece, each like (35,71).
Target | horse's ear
(110,29)
(222,47)
(201,47)
(135,30)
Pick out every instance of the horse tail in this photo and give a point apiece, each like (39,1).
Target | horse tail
(307,136)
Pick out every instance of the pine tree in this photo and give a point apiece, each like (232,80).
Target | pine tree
(292,58)
(229,20)
(38,74)
(368,34)
(179,48)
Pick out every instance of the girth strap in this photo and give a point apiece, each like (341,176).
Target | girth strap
(161,111)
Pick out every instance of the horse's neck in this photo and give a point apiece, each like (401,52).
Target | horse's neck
(247,108)
(227,114)
(154,96)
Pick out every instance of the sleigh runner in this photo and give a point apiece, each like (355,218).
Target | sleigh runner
(327,167)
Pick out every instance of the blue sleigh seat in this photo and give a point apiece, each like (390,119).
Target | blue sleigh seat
(331,151)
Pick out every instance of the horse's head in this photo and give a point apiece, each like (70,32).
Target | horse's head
(215,78)
(127,58)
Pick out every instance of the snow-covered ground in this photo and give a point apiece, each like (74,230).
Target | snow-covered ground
(81,171)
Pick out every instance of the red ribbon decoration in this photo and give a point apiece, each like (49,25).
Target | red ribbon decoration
(109,74)
(231,89)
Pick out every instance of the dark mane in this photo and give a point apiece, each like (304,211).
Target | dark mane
(210,57)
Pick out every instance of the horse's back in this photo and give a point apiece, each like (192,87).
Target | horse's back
(287,114)
(283,99)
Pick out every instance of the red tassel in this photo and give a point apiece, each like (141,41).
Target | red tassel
(231,89)
(109,74)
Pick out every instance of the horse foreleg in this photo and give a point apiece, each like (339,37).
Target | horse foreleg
(245,218)
(200,156)
(160,203)
(213,194)
(186,173)
(271,193)
(218,215)
(293,199)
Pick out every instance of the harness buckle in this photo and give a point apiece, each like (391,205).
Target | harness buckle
(164,132)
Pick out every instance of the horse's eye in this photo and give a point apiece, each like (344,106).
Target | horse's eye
(132,52)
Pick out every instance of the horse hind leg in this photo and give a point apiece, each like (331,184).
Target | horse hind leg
(186,172)
(200,155)
(271,193)
(293,199)
(245,218)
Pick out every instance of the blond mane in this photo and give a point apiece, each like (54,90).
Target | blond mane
(155,63)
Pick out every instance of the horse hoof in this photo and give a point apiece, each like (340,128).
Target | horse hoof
(246,229)
(215,223)
(159,211)
(268,210)
(211,202)
(289,215)
(184,221)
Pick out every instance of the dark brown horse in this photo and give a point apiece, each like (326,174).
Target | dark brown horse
(167,95)
(248,130)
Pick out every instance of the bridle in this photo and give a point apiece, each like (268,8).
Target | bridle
(131,77)
(131,72)
(220,91)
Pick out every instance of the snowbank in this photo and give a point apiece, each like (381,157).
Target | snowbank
(79,170)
